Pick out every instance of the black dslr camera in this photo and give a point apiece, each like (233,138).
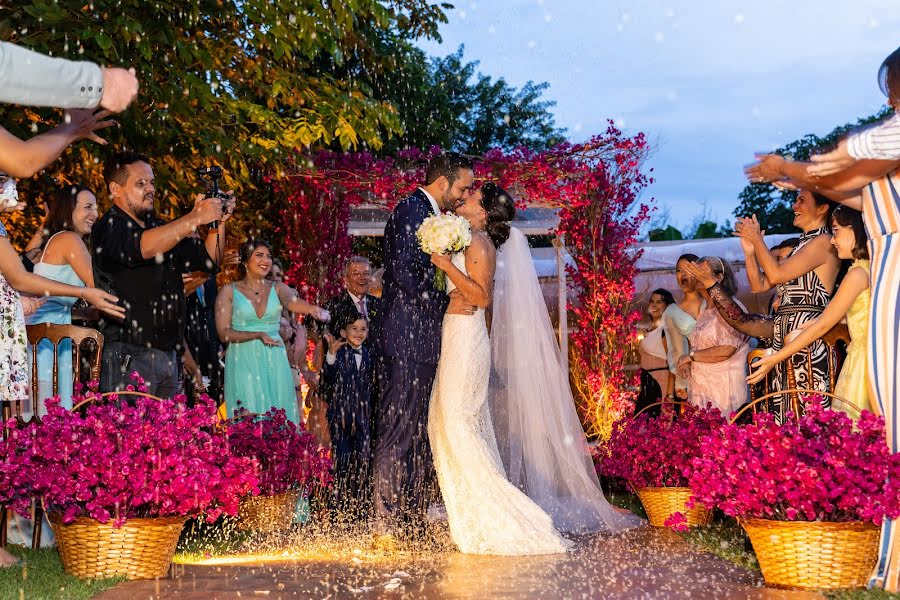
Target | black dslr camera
(210,176)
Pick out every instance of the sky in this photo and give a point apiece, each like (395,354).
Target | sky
(709,81)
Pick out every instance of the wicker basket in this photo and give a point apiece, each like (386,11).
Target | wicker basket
(268,513)
(814,555)
(140,549)
(660,503)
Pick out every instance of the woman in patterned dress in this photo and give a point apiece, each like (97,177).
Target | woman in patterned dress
(804,282)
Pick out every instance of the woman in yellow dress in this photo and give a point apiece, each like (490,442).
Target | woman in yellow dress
(851,300)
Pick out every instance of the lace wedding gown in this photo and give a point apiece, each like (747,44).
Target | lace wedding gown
(487,514)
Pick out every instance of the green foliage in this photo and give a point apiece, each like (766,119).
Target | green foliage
(446,102)
(42,578)
(665,235)
(773,206)
(235,82)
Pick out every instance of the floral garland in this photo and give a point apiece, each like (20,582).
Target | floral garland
(596,187)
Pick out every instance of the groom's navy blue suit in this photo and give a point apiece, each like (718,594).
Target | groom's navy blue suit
(412,312)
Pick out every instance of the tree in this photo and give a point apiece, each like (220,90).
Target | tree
(234,82)
(446,102)
(772,206)
(666,234)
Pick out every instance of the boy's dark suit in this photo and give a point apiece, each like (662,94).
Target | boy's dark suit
(348,394)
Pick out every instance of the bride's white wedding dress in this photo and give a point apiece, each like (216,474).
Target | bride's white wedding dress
(487,514)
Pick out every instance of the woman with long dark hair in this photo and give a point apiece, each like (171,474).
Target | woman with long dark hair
(63,257)
(248,315)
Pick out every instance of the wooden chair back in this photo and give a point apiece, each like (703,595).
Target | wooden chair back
(56,334)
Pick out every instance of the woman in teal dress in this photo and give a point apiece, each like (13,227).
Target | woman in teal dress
(64,257)
(248,313)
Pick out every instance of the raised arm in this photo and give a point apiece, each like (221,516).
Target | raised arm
(855,282)
(291,300)
(760,326)
(808,258)
(772,167)
(23,158)
(160,240)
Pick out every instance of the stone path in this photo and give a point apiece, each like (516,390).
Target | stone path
(646,563)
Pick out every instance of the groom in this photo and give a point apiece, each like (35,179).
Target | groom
(410,340)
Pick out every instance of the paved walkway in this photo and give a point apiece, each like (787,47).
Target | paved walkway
(647,563)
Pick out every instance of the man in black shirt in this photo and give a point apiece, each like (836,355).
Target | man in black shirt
(140,258)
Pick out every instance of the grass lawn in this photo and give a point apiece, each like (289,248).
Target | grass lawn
(42,578)
(726,539)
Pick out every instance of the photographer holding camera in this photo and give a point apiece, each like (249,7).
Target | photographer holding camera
(141,258)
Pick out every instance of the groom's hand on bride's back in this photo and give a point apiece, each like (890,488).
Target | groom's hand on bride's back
(459,305)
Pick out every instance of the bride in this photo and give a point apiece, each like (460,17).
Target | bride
(547,483)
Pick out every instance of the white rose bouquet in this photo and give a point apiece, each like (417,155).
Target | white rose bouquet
(442,234)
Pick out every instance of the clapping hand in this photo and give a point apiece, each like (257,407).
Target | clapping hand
(767,169)
(832,162)
(701,272)
(748,228)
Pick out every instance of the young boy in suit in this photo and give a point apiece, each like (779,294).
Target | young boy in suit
(348,374)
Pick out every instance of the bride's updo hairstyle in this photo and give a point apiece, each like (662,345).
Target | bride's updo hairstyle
(500,211)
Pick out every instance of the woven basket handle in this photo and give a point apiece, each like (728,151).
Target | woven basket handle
(122,393)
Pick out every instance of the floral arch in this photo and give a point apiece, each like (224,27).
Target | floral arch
(595,187)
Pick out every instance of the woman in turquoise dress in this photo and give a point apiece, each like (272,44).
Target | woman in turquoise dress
(248,314)
(65,258)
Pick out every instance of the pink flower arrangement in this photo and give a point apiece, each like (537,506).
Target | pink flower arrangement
(655,451)
(287,457)
(120,460)
(823,467)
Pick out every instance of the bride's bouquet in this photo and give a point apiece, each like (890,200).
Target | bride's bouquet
(443,234)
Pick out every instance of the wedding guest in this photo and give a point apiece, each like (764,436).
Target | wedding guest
(852,301)
(63,257)
(355,299)
(804,283)
(655,372)
(349,375)
(201,339)
(678,322)
(142,259)
(248,313)
(716,363)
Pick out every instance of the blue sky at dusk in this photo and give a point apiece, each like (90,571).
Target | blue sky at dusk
(709,81)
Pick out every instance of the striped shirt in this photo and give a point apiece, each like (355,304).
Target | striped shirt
(879,142)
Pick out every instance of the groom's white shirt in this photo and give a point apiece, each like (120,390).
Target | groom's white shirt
(434,204)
